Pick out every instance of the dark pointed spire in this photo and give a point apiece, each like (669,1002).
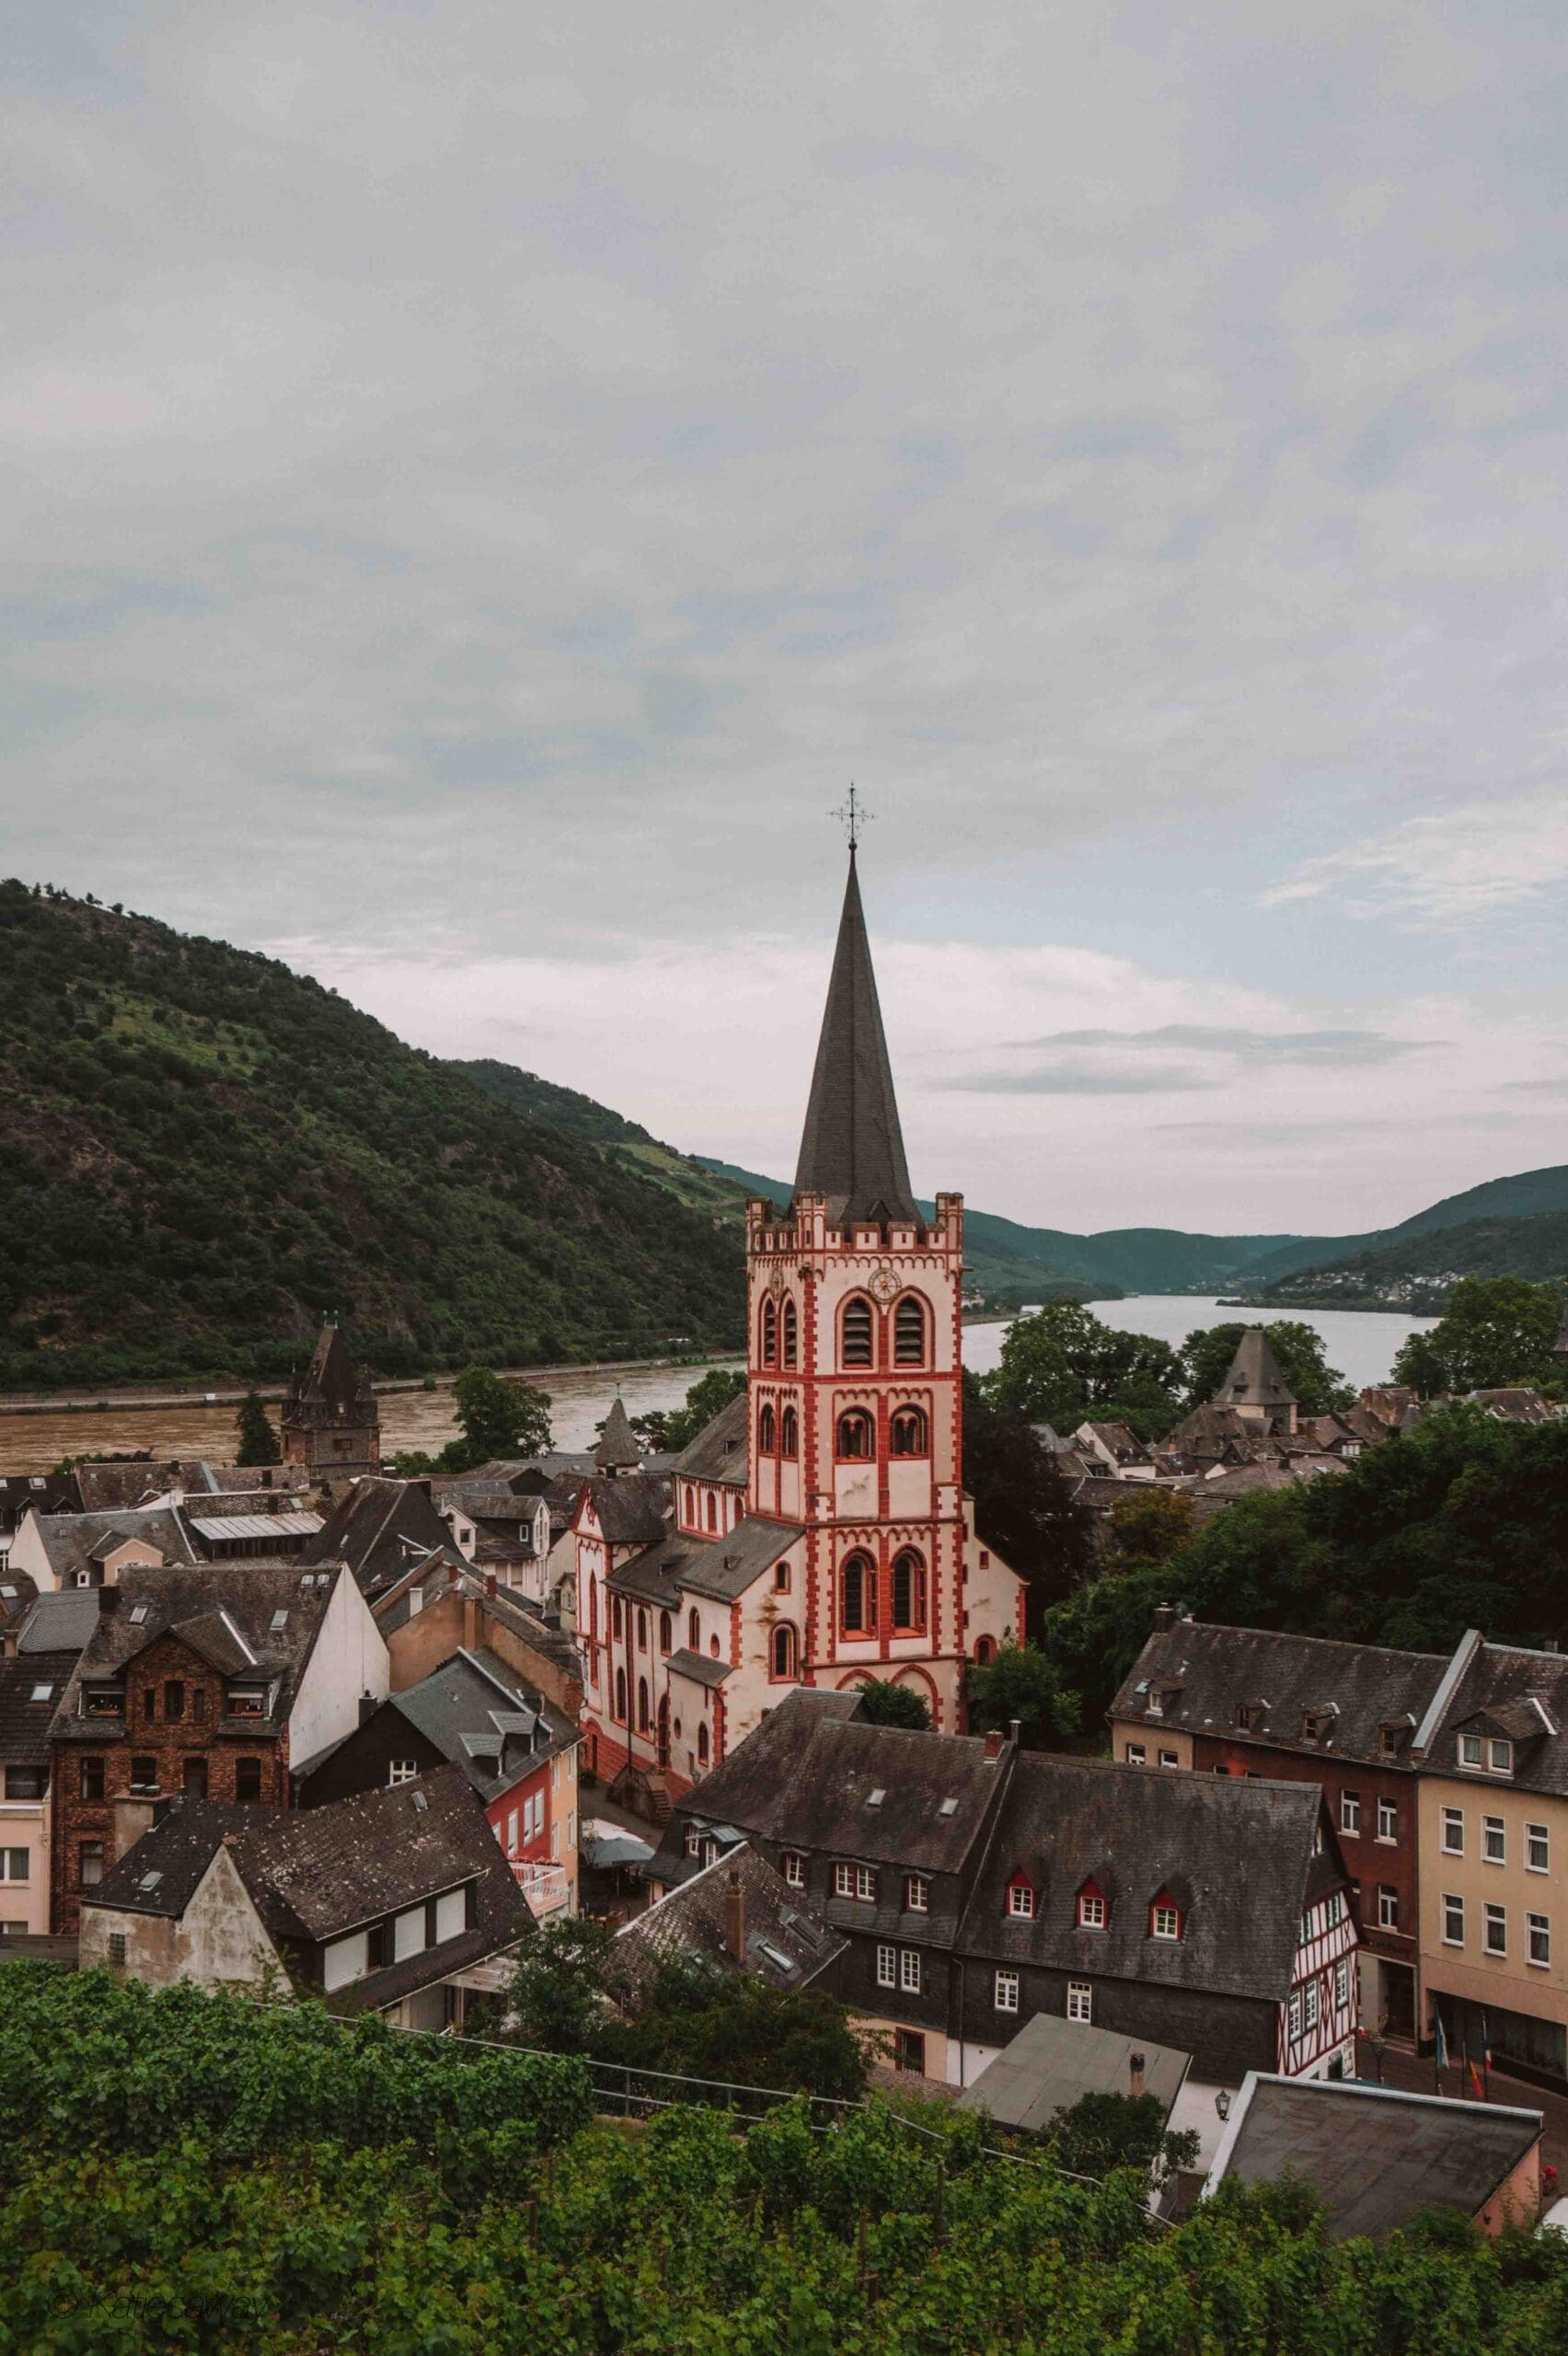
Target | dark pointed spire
(852,1148)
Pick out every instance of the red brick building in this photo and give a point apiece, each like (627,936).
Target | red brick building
(214,1680)
(1249,1701)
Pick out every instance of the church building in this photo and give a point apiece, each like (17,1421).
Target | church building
(819,1531)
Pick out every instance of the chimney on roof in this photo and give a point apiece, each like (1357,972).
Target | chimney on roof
(470,1624)
(1134,2075)
(1014,1730)
(109,1599)
(994,1743)
(368,1705)
(1164,1617)
(735,1918)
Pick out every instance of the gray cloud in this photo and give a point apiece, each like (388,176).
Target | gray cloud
(1067,1080)
(1327,1048)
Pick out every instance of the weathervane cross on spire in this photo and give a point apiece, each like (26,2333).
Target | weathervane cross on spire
(852,815)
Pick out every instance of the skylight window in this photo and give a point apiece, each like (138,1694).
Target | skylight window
(138,1613)
(41,1693)
(876,1799)
(279,1623)
(948,1808)
(150,1881)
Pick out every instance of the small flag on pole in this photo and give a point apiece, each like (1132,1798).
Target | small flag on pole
(1440,2047)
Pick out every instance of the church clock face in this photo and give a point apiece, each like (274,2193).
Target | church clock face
(883,1284)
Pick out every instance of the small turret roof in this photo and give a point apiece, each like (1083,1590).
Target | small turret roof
(852,1147)
(1254,1378)
(333,1374)
(618,1442)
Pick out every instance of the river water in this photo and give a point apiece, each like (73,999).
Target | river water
(1360,1343)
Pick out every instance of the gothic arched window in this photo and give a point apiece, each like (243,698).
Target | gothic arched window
(856,1434)
(858,1595)
(641,1629)
(791,1334)
(985,1652)
(766,1431)
(694,1629)
(908,1592)
(702,1746)
(616,1614)
(666,1631)
(620,1695)
(855,1333)
(712,1510)
(644,1716)
(790,1433)
(909,1331)
(907,1435)
(783,1650)
(593,1607)
(770,1331)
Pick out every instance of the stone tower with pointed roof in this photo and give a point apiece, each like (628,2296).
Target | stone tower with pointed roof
(329,1420)
(1254,1387)
(618,1450)
(855,1371)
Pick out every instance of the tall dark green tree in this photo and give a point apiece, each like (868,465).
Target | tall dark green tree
(887,1704)
(255,1440)
(1062,1363)
(499,1418)
(1022,1682)
(710,1393)
(1023,1508)
(1496,1331)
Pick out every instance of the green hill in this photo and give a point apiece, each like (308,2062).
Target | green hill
(204,1152)
(1418,1272)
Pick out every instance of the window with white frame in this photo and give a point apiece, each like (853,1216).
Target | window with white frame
(1453,1920)
(402,1770)
(1387,1821)
(1081,2001)
(1469,1750)
(1170,1759)
(693,1842)
(1309,1994)
(887,1966)
(1453,1833)
(909,1970)
(1164,1922)
(1540,1939)
(1335,1910)
(1293,2016)
(1500,1758)
(1135,1754)
(512,1832)
(916,1894)
(1020,1899)
(1341,1983)
(1495,1933)
(1350,1812)
(1006,1991)
(1090,1910)
(1538,1849)
(794,1866)
(855,1881)
(1495,1840)
(1388,1907)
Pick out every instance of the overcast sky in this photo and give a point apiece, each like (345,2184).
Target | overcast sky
(481,480)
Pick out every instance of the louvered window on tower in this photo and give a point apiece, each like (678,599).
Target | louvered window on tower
(792,1333)
(771,1332)
(857,1333)
(909,1333)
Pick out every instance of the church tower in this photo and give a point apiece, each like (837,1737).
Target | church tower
(330,1420)
(854,1370)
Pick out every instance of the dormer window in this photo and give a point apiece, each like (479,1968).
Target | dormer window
(1501,1760)
(1093,1914)
(1470,1750)
(1021,1898)
(1164,1917)
(1249,1716)
(247,1701)
(1316,1725)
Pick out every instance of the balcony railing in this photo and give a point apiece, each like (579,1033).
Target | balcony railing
(543,1883)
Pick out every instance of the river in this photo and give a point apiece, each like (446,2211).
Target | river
(1360,1343)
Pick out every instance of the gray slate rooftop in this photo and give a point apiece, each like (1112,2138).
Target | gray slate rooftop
(1054,2062)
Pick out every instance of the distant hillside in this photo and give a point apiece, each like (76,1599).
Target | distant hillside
(204,1151)
(1419,1272)
(621,1141)
(1012,1260)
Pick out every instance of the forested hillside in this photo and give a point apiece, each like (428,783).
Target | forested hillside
(1419,1270)
(204,1151)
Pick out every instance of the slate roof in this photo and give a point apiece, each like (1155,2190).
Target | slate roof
(115,1488)
(783,1941)
(1253,1378)
(1374,2156)
(721,1451)
(807,1773)
(379,1527)
(1517,1405)
(203,1606)
(61,1621)
(1236,1856)
(51,1492)
(631,1508)
(316,1873)
(331,1378)
(1205,1672)
(76,1541)
(485,1718)
(700,1668)
(178,1850)
(1053,2062)
(1497,1676)
(19,1593)
(24,1722)
(721,1568)
(852,1146)
(618,1446)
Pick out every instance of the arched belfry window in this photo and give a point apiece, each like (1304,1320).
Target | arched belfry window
(857,1329)
(766,1430)
(908,1433)
(909,1598)
(783,1650)
(909,1331)
(858,1595)
(791,1334)
(790,1433)
(770,1331)
(694,1629)
(856,1434)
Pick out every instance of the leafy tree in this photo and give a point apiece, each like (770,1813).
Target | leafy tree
(563,1985)
(1150,1525)
(1021,1682)
(1496,1331)
(1023,1508)
(711,1392)
(255,1439)
(1061,1365)
(1104,2132)
(887,1705)
(1206,1353)
(498,1418)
